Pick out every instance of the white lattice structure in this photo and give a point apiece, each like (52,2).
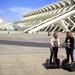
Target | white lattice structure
(59,16)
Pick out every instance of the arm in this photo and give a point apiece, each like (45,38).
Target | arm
(58,43)
(66,40)
(52,42)
(72,42)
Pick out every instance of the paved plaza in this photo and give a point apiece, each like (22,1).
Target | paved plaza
(25,54)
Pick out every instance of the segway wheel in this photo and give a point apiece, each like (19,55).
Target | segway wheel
(73,66)
(57,63)
(48,64)
(66,65)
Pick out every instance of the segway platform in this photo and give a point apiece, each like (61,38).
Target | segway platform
(67,66)
(52,65)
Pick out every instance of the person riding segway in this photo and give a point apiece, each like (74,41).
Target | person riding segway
(54,61)
(69,53)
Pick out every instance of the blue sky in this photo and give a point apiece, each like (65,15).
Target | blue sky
(12,10)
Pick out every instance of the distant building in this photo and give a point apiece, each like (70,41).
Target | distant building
(4,25)
(58,16)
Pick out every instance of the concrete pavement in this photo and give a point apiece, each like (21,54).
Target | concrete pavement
(23,54)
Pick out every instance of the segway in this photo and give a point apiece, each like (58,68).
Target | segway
(66,65)
(52,65)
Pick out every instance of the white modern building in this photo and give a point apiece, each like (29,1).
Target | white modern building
(4,25)
(58,16)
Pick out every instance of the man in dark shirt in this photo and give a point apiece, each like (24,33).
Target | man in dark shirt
(69,46)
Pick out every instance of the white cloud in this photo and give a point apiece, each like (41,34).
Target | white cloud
(19,10)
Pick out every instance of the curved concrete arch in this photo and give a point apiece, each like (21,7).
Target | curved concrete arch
(49,8)
(61,4)
(40,11)
(45,9)
(66,3)
(52,8)
(56,6)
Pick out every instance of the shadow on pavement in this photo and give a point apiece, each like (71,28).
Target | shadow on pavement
(32,44)
(45,66)
(20,43)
